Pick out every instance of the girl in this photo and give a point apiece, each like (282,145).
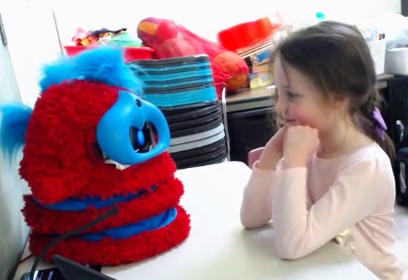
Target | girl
(326,174)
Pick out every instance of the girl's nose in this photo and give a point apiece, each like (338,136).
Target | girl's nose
(280,105)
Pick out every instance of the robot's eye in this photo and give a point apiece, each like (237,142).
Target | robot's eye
(138,103)
(142,140)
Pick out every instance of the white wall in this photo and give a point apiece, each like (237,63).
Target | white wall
(13,231)
(30,43)
(206,21)
(35,41)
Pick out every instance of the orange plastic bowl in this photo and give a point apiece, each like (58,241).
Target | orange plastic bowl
(247,34)
(130,53)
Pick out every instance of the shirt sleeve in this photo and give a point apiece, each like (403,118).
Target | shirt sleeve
(256,206)
(298,230)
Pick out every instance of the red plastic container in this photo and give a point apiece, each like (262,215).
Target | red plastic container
(130,53)
(244,36)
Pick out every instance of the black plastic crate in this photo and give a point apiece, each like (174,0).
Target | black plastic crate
(248,130)
(396,116)
(400,168)
(396,110)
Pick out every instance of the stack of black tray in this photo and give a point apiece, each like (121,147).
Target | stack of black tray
(184,91)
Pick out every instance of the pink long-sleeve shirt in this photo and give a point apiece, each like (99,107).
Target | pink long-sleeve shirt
(352,196)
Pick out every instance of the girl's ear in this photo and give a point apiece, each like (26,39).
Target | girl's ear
(340,101)
(340,98)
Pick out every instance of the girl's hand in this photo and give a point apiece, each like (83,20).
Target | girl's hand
(273,150)
(300,142)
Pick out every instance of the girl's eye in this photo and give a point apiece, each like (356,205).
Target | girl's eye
(292,95)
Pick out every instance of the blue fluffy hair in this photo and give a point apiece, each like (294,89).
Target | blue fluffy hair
(102,64)
(14,118)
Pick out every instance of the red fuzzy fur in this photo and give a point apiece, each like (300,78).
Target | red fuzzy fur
(115,252)
(61,159)
(41,220)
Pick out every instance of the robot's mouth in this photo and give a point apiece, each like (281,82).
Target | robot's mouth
(142,141)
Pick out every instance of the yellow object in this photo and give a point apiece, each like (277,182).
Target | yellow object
(345,240)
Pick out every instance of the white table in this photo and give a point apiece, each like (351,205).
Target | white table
(218,248)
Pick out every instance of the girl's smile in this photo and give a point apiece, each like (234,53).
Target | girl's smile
(290,122)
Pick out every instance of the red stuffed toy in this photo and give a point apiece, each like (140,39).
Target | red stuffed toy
(169,39)
(90,144)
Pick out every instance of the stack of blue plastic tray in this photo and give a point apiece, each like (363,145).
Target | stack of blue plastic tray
(183,89)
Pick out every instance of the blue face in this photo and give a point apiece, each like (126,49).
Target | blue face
(132,131)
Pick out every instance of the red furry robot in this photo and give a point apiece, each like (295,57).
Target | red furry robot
(91,143)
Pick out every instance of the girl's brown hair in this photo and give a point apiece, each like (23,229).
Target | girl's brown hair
(336,57)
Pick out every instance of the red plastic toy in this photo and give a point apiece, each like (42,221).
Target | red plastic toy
(169,39)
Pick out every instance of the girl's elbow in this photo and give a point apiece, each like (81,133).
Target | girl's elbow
(287,253)
(290,251)
(250,222)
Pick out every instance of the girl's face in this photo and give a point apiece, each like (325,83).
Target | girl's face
(299,102)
